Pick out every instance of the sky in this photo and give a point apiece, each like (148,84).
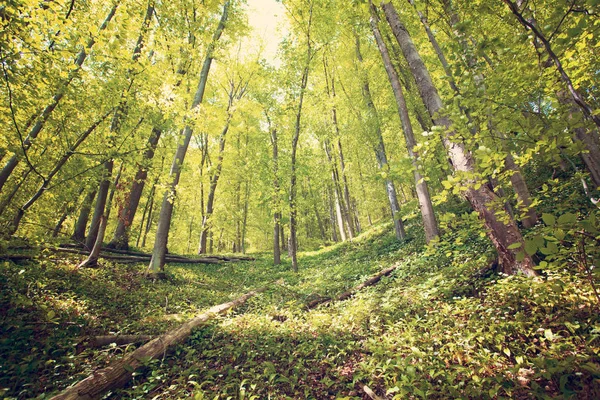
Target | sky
(267,19)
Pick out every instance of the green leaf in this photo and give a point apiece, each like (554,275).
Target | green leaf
(549,219)
(531,247)
(567,218)
(514,246)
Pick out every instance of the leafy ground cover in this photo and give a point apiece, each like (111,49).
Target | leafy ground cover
(444,324)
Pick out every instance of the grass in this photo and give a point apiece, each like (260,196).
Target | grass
(442,326)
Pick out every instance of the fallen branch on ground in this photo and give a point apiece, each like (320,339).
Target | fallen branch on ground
(119,340)
(369,282)
(119,372)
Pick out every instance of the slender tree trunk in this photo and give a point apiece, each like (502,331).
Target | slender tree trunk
(336,188)
(350,205)
(100,206)
(69,207)
(149,219)
(214,180)
(425,204)
(157,262)
(49,109)
(332,220)
(316,208)
(276,200)
(144,213)
(113,189)
(92,260)
(381,155)
(245,217)
(502,234)
(293,241)
(84,215)
(120,238)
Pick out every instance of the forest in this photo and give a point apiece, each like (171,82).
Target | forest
(299,199)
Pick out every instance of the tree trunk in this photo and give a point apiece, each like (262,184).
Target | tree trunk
(336,189)
(84,215)
(119,372)
(293,240)
(332,219)
(157,263)
(92,260)
(120,238)
(214,180)
(381,155)
(58,95)
(425,204)
(113,189)
(522,191)
(149,218)
(502,235)
(276,201)
(100,205)
(10,196)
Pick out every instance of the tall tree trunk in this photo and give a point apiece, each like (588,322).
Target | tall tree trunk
(350,204)
(502,234)
(316,208)
(336,189)
(113,190)
(120,113)
(293,242)
(100,205)
(343,202)
(245,216)
(144,213)
(149,219)
(120,238)
(84,215)
(157,263)
(425,204)
(380,154)
(276,200)
(11,195)
(214,180)
(332,220)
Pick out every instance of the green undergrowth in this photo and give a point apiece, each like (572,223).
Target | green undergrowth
(443,325)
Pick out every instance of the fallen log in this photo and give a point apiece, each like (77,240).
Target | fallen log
(347,294)
(119,372)
(16,257)
(119,340)
(135,259)
(142,254)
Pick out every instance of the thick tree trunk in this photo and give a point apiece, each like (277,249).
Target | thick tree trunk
(157,263)
(425,204)
(118,373)
(84,215)
(49,109)
(503,235)
(120,238)
(380,154)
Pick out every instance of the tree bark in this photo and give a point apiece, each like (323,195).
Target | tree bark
(100,206)
(118,373)
(380,154)
(84,215)
(502,234)
(157,263)
(293,240)
(425,204)
(92,260)
(120,238)
(49,109)
(336,190)
(276,200)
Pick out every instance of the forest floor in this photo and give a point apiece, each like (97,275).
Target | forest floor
(443,325)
